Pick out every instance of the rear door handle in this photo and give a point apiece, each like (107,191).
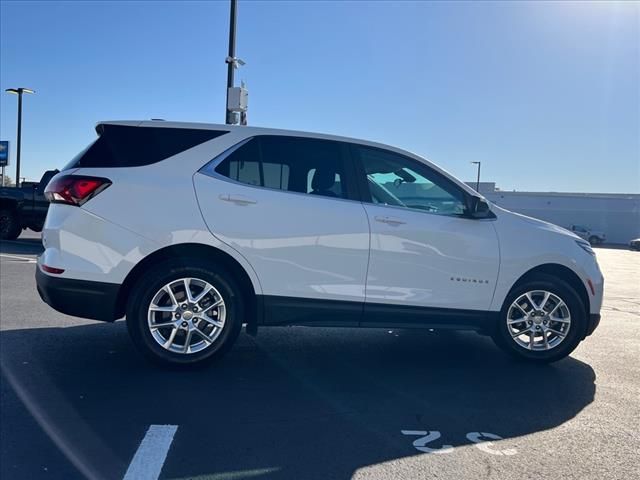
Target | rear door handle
(237,199)
(390,220)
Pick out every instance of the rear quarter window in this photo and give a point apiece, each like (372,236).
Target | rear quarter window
(127,146)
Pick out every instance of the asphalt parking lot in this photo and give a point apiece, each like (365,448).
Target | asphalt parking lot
(298,403)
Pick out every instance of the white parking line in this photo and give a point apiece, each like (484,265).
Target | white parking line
(149,459)
(15,257)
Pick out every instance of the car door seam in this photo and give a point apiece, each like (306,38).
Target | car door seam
(366,275)
(204,220)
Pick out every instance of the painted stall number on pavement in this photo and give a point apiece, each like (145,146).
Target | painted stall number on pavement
(482,441)
(427,437)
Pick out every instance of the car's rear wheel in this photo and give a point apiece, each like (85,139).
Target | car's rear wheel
(9,225)
(593,240)
(183,313)
(542,320)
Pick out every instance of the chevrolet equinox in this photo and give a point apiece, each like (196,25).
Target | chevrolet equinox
(191,231)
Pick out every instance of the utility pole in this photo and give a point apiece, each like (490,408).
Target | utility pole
(478,179)
(231,59)
(237,97)
(19,91)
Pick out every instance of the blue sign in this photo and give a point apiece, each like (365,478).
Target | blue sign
(4,153)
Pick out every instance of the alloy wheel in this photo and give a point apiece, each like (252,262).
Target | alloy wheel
(186,315)
(538,320)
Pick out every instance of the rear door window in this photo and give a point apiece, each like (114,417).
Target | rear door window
(127,146)
(294,164)
(243,165)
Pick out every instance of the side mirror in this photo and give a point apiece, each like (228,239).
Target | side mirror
(479,208)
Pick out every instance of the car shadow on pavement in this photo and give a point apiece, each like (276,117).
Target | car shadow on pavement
(290,403)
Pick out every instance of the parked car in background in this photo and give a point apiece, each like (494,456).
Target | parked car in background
(23,207)
(594,237)
(192,230)
(634,244)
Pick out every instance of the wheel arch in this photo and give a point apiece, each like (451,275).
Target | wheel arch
(196,250)
(562,272)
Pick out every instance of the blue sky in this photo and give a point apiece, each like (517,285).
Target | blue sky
(546,95)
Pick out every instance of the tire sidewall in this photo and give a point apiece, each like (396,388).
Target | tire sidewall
(152,281)
(12,230)
(576,310)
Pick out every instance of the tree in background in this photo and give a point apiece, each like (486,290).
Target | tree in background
(6,181)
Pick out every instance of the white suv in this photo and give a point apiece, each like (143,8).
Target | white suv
(193,230)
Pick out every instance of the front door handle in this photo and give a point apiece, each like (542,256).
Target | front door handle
(394,221)
(237,199)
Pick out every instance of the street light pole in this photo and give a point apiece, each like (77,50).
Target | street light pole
(19,91)
(231,58)
(478,179)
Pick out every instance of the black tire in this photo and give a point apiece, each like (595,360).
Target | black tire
(153,280)
(9,224)
(576,332)
(593,240)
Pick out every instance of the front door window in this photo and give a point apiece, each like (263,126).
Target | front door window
(398,181)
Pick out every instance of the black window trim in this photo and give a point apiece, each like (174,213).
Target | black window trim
(365,194)
(352,190)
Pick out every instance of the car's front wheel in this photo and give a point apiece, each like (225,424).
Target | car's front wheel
(542,320)
(182,313)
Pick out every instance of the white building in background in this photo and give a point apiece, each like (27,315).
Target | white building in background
(615,214)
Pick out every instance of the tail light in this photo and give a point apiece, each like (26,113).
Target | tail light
(49,269)
(75,189)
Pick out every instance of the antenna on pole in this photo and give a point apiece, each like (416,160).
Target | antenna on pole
(237,97)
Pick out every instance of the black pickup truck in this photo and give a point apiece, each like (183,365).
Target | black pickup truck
(23,207)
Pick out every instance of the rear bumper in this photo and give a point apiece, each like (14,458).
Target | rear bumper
(79,298)
(594,321)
